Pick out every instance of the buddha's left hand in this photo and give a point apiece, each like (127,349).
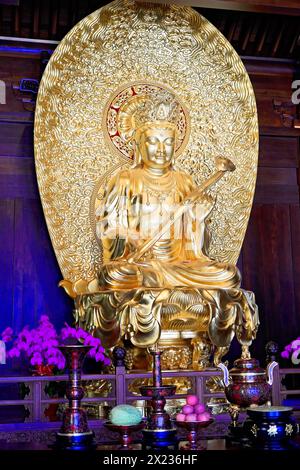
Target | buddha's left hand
(202,206)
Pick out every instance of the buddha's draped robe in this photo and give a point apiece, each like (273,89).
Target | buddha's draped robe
(131,212)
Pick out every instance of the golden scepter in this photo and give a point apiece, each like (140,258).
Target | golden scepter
(223,165)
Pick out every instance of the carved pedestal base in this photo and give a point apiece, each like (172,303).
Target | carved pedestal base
(188,324)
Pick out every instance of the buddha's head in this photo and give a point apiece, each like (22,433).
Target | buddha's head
(156,131)
(155,144)
(154,120)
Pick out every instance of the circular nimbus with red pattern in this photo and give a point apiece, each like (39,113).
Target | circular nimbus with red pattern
(117,129)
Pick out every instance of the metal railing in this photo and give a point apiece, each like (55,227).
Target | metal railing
(36,399)
(279,391)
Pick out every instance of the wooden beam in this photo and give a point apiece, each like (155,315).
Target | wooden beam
(10,2)
(279,7)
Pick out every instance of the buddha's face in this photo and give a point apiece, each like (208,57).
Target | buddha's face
(157,145)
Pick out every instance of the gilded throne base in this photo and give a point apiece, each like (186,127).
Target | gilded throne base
(190,325)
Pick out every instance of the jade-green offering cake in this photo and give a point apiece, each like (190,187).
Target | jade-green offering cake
(125,415)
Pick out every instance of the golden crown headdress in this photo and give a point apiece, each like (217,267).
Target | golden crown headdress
(142,109)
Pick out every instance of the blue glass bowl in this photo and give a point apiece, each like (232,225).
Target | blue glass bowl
(271,427)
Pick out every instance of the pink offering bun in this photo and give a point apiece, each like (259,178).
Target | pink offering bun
(180,417)
(199,408)
(202,417)
(187,409)
(191,417)
(207,415)
(192,400)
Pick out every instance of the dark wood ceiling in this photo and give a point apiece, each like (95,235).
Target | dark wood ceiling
(258,34)
(250,33)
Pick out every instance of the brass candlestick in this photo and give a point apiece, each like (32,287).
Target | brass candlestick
(160,431)
(75,433)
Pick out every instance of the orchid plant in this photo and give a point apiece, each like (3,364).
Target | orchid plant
(41,345)
(292,351)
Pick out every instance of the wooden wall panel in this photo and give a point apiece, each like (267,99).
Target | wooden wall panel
(276,151)
(271,251)
(268,272)
(17,178)
(277,176)
(37,274)
(14,66)
(276,194)
(29,273)
(6,261)
(16,139)
(295,240)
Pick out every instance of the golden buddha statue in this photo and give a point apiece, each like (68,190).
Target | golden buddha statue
(146,252)
(157,283)
(152,221)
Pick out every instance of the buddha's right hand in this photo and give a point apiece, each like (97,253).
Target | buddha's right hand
(134,258)
(131,259)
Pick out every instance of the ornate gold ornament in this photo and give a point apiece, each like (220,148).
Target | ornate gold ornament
(254,429)
(289,429)
(122,47)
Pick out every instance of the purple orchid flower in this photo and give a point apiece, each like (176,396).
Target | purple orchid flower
(41,345)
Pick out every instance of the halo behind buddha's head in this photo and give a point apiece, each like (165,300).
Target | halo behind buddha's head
(133,105)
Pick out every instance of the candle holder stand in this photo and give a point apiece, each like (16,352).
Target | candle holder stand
(160,430)
(74,433)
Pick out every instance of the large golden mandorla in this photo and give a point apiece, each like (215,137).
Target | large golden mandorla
(103,68)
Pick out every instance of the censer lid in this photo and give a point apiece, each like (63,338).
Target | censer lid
(268,412)
(270,409)
(246,367)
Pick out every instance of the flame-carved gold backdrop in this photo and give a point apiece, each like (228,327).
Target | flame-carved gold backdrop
(121,44)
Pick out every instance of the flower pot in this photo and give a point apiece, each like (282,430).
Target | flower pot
(42,370)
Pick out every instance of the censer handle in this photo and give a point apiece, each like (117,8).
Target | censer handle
(270,368)
(225,373)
